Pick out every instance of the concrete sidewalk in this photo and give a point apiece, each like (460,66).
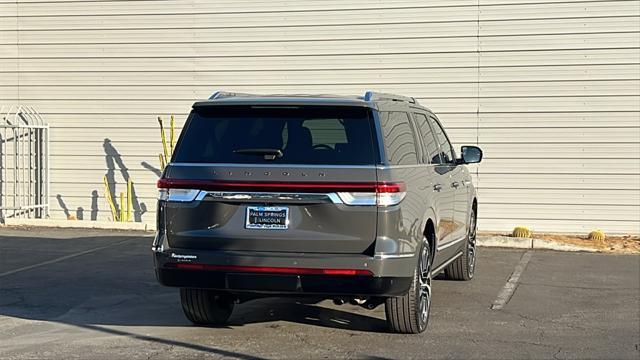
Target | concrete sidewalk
(529,243)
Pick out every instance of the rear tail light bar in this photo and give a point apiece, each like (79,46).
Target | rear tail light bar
(349,193)
(313,187)
(271,270)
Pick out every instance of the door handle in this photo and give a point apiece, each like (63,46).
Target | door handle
(437,187)
(455,184)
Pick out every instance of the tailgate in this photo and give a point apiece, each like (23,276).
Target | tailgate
(269,213)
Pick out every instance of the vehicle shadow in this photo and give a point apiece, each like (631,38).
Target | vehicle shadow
(116,285)
(309,311)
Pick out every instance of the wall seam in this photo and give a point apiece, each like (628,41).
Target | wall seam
(478,90)
(18,48)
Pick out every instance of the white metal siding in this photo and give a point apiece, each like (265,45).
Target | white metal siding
(550,89)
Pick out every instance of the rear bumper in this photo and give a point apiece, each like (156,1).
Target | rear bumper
(390,277)
(278,284)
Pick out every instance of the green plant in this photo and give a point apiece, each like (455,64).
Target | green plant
(125,213)
(521,231)
(167,150)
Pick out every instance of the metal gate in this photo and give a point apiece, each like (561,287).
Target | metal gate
(24,164)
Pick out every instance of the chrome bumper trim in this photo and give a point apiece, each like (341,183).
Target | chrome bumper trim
(268,197)
(392,256)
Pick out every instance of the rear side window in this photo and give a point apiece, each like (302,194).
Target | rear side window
(431,150)
(398,138)
(298,134)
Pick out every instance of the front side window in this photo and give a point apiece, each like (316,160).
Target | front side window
(431,149)
(399,142)
(280,135)
(446,150)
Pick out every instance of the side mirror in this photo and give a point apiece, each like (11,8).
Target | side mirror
(471,154)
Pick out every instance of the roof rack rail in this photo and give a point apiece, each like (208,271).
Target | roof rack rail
(372,95)
(226,94)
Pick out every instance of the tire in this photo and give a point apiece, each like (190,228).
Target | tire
(206,307)
(463,268)
(409,314)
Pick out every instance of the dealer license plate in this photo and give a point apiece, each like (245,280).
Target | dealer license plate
(267,217)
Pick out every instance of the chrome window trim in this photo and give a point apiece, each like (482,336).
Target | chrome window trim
(391,167)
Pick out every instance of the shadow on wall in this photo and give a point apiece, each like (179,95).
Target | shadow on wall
(94,205)
(113,160)
(79,215)
(151,168)
(63,206)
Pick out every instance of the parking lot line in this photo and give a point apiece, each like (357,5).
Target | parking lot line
(62,258)
(510,287)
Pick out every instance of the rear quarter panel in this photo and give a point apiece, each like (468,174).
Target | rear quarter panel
(401,227)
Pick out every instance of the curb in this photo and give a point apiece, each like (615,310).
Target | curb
(80,224)
(483,241)
(528,243)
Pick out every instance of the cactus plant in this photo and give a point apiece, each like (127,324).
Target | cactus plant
(165,156)
(521,231)
(107,195)
(597,235)
(124,212)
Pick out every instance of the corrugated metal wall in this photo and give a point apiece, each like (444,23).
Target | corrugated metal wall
(549,88)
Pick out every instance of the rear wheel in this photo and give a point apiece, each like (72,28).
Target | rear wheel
(463,268)
(409,314)
(206,307)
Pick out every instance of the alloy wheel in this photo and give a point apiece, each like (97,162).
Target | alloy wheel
(425,285)
(471,245)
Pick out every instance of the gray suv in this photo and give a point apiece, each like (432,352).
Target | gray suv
(355,199)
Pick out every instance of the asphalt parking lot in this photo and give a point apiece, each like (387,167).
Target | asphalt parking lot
(92,294)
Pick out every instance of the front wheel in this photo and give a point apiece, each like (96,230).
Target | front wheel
(464,267)
(206,307)
(409,314)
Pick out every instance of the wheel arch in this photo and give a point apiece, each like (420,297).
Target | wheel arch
(429,228)
(429,232)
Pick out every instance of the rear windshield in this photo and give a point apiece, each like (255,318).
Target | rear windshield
(278,135)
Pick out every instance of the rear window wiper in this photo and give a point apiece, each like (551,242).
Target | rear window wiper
(269,154)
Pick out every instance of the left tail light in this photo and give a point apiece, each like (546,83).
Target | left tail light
(167,193)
